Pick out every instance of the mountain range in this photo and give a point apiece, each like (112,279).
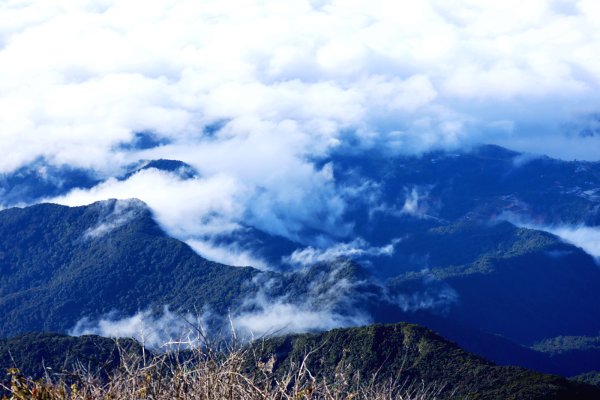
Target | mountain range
(378,354)
(459,242)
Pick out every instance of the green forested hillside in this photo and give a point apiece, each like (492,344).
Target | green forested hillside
(36,354)
(60,264)
(416,354)
(524,284)
(353,357)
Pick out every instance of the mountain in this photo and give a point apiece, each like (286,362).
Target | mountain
(40,180)
(484,182)
(36,354)
(574,354)
(524,284)
(591,378)
(179,168)
(404,352)
(412,354)
(451,262)
(60,264)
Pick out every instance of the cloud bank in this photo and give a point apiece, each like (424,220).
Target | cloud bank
(80,78)
(251,93)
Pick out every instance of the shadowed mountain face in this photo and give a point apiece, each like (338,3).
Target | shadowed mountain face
(60,264)
(521,283)
(484,183)
(40,180)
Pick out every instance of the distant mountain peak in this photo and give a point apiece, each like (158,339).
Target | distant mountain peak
(179,168)
(494,151)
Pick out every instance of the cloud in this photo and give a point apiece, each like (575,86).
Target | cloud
(230,254)
(356,249)
(588,238)
(185,207)
(114,214)
(319,298)
(432,295)
(281,317)
(79,78)
(153,330)
(195,209)
(585,237)
(417,203)
(327,299)
(253,93)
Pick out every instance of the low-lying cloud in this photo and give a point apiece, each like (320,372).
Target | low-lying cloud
(230,254)
(356,249)
(323,297)
(588,238)
(154,330)
(585,237)
(113,215)
(433,296)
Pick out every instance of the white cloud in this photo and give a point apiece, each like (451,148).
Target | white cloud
(185,207)
(358,248)
(585,237)
(588,238)
(79,77)
(328,301)
(114,215)
(438,298)
(280,318)
(154,330)
(284,82)
(231,254)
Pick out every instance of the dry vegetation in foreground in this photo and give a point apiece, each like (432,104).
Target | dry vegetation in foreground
(207,375)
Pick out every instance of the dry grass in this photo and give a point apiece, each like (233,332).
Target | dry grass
(207,375)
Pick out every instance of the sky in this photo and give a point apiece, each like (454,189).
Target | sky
(251,93)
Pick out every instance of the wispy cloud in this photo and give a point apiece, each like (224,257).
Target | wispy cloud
(356,249)
(154,330)
(231,254)
(307,300)
(431,295)
(114,214)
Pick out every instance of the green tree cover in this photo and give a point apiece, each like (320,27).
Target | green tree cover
(381,352)
(575,354)
(414,353)
(36,354)
(591,378)
(484,182)
(526,285)
(52,275)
